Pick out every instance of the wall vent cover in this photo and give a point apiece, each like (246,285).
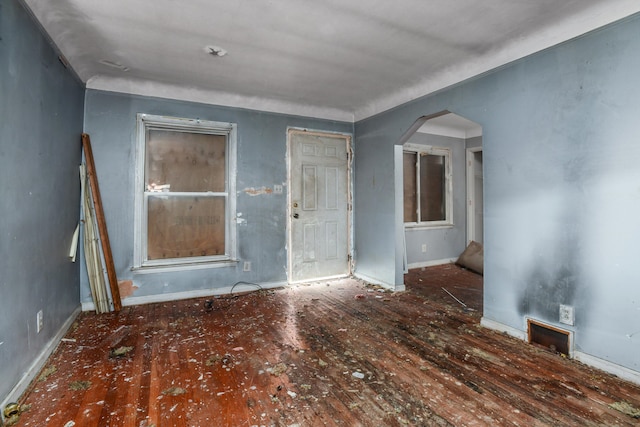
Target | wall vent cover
(549,337)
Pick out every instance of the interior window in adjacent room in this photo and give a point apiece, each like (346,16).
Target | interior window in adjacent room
(427,186)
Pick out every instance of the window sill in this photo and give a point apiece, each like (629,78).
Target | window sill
(149,269)
(423,227)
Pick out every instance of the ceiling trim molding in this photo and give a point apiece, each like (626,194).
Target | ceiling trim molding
(212,97)
(577,25)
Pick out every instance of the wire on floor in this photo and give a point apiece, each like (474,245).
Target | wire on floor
(209,304)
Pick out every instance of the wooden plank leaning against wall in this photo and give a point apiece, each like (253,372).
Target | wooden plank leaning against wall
(102,223)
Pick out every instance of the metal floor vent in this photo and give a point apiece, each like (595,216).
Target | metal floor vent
(549,337)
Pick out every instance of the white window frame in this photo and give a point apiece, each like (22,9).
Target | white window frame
(147,122)
(436,151)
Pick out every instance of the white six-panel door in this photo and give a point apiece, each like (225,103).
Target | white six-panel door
(318,205)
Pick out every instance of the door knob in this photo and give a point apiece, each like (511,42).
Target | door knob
(295,215)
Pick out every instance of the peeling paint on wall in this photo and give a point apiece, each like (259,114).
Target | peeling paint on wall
(258,191)
(239,219)
(127,288)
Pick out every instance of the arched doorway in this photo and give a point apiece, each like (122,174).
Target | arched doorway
(442,191)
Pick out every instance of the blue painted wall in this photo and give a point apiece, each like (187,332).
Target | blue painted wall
(110,120)
(41,109)
(562,187)
(376,220)
(562,197)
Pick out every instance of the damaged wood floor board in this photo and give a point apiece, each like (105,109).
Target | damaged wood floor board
(449,388)
(339,353)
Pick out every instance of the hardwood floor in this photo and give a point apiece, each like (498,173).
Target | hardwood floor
(334,354)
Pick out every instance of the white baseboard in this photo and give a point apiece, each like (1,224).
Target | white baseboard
(501,327)
(432,263)
(610,367)
(39,362)
(175,296)
(587,359)
(395,288)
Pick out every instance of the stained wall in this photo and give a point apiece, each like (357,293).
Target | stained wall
(41,108)
(561,152)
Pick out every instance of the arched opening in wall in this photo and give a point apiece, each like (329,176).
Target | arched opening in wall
(442,207)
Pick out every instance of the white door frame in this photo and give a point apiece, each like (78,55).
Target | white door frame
(471,196)
(350,240)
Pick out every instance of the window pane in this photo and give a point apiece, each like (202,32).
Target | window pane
(180,227)
(432,188)
(187,162)
(410,199)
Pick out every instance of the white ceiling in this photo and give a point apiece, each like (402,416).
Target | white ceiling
(335,59)
(451,125)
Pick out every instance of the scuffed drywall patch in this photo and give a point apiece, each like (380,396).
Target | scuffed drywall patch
(127,288)
(258,191)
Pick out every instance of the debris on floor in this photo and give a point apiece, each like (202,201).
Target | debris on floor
(466,307)
(278,370)
(120,351)
(472,258)
(212,360)
(626,408)
(316,355)
(47,372)
(174,391)
(12,413)
(11,409)
(79,385)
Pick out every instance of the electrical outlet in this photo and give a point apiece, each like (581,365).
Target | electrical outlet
(39,321)
(567,315)
(247,266)
(424,248)
(277,189)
